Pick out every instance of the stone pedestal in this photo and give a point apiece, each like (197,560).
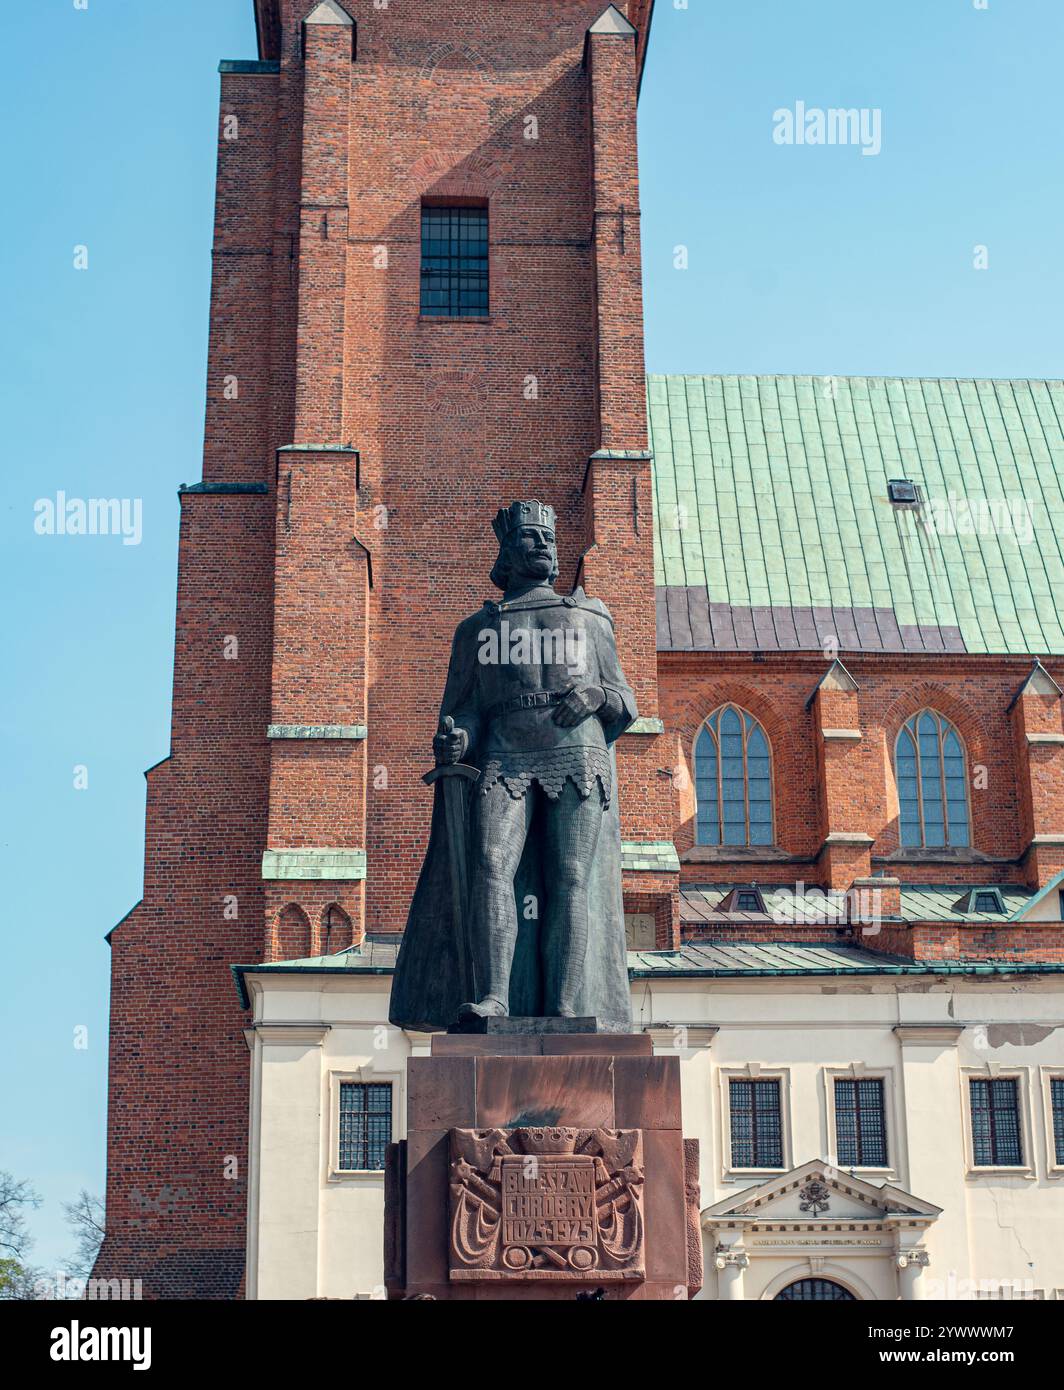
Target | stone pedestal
(543,1165)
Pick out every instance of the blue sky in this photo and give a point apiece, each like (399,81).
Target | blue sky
(800,259)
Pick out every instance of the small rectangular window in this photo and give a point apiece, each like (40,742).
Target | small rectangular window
(860,1124)
(365,1125)
(996,1137)
(756,1124)
(1056,1095)
(454,262)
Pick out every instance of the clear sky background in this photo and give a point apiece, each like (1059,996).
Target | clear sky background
(800,259)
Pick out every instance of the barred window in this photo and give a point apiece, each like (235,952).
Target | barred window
(365,1124)
(932,783)
(860,1123)
(1056,1096)
(814,1291)
(995,1109)
(756,1124)
(454,262)
(733,780)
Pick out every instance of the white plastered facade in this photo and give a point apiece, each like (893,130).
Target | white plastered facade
(928,1224)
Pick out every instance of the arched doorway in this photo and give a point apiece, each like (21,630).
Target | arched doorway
(814,1291)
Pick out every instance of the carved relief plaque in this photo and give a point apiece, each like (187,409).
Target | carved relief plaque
(553,1203)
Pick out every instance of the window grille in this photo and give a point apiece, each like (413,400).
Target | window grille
(1056,1096)
(995,1111)
(756,1124)
(814,1291)
(860,1123)
(365,1124)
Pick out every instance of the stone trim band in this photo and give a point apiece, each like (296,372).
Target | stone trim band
(331,864)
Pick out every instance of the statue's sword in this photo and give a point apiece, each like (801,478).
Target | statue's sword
(456,815)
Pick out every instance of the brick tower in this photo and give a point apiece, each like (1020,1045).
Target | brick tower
(363,421)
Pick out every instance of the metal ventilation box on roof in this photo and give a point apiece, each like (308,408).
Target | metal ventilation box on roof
(902,492)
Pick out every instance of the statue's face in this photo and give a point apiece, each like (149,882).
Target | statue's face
(533,553)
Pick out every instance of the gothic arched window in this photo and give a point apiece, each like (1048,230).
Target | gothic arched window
(733,780)
(932,783)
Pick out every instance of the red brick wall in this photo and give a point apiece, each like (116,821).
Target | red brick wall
(967,941)
(316,339)
(439,409)
(178,1079)
(841,786)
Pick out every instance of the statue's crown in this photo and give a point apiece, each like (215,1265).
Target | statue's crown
(522,514)
(548,1140)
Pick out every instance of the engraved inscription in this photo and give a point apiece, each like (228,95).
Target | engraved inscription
(548,1200)
(546,1203)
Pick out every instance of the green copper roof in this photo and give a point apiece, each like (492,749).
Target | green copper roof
(937,903)
(371,958)
(708,960)
(774,528)
(722,960)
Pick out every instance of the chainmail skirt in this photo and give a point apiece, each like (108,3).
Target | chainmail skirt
(551,768)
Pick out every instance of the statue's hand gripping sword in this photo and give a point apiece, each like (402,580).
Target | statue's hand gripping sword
(456,814)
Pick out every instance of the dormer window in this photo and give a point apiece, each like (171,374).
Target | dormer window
(988,900)
(748,899)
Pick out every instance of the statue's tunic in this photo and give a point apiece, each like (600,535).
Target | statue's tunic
(512,663)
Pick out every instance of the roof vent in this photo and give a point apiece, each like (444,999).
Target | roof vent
(903,493)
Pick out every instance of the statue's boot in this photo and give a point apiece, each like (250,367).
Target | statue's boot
(489,1007)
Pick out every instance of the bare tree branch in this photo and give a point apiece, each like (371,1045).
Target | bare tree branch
(85,1217)
(17,1197)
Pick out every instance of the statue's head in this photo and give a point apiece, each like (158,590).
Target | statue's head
(527,548)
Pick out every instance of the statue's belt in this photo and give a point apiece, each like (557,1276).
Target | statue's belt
(531,699)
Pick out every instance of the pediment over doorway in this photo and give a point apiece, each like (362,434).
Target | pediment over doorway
(816,1193)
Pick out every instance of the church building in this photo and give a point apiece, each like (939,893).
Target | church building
(842,801)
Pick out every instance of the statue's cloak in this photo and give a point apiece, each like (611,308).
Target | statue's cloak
(427,990)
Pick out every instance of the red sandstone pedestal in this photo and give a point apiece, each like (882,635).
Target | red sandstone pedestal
(543,1166)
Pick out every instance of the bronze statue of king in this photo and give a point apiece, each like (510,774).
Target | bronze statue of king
(518,909)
